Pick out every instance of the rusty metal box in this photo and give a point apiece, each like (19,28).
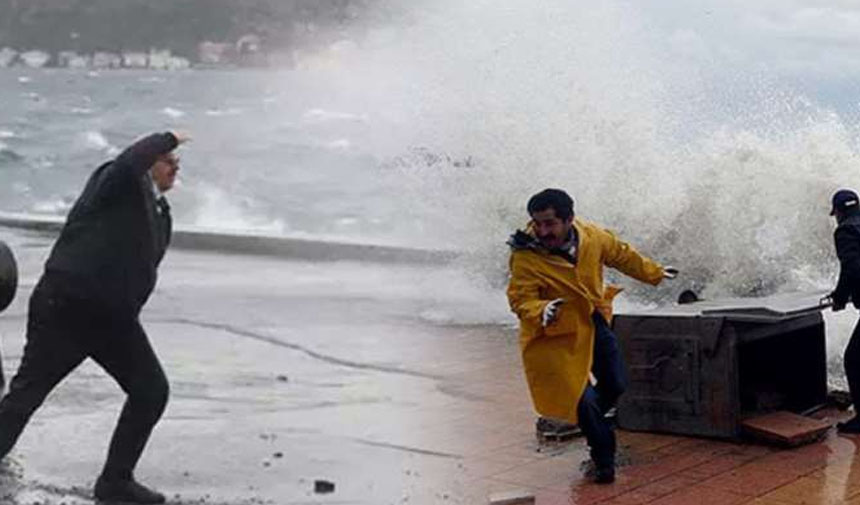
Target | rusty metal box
(702,368)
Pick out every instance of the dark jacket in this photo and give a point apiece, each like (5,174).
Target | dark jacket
(116,234)
(847,238)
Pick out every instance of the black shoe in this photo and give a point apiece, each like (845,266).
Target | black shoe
(125,491)
(604,475)
(850,427)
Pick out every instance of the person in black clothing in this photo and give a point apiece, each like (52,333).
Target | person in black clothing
(97,278)
(846,210)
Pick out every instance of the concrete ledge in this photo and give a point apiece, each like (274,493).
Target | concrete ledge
(228,241)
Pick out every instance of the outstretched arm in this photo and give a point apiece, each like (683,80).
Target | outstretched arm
(140,156)
(136,160)
(623,257)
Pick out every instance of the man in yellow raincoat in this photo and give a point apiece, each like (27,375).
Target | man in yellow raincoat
(557,291)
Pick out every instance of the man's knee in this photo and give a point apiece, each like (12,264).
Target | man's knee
(589,406)
(160,392)
(24,397)
(151,398)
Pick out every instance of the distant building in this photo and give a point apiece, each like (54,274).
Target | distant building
(249,51)
(63,57)
(81,61)
(216,53)
(159,60)
(178,63)
(165,60)
(249,44)
(7,57)
(71,59)
(135,60)
(104,60)
(34,59)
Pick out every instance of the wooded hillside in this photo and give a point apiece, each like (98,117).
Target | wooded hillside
(179,25)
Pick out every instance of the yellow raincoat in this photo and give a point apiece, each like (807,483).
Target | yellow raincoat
(557,359)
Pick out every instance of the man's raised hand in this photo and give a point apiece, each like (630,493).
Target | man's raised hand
(181,137)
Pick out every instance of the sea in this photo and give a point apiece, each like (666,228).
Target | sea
(432,130)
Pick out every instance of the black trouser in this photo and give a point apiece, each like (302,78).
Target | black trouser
(852,367)
(63,331)
(608,369)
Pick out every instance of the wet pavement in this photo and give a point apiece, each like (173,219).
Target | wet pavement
(284,373)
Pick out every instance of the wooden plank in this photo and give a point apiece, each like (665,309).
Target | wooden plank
(785,428)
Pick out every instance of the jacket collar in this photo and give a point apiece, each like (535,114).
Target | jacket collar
(156,193)
(850,219)
(527,240)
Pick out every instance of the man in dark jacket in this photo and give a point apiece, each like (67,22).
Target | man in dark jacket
(99,274)
(846,210)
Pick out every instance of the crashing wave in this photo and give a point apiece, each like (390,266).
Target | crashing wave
(173,113)
(95,140)
(8,154)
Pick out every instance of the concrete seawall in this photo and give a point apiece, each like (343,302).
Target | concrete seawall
(229,241)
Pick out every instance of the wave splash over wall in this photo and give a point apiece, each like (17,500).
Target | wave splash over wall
(724,172)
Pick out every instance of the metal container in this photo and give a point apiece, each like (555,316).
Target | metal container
(702,368)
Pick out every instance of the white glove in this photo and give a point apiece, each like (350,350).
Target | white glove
(669,272)
(550,312)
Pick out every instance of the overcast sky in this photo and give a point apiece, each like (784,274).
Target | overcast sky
(813,44)
(791,35)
